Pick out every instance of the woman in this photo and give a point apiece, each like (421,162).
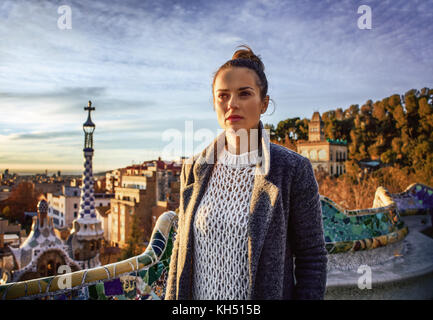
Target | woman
(250,219)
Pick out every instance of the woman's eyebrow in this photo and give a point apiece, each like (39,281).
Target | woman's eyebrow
(242,88)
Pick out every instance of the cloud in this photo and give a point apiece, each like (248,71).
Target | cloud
(62,93)
(44,135)
(148,66)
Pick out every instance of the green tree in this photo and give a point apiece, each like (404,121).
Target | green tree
(271,130)
(302,129)
(286,129)
(398,130)
(134,241)
(352,111)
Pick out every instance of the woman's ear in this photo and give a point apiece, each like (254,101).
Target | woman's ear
(265,104)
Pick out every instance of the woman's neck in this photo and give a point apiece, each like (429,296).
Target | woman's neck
(241,141)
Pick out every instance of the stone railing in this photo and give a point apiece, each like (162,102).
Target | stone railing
(144,276)
(137,278)
(362,229)
(417,199)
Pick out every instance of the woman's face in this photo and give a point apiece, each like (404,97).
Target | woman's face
(237,99)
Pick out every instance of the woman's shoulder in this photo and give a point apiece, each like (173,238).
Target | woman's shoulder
(287,163)
(283,155)
(188,165)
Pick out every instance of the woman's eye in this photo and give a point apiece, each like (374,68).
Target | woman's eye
(222,95)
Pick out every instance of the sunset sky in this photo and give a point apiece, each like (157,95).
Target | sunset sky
(147,66)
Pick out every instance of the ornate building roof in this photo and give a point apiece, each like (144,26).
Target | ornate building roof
(316,116)
(40,239)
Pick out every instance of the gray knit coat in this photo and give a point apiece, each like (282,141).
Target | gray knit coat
(286,247)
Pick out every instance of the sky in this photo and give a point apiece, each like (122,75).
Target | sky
(147,67)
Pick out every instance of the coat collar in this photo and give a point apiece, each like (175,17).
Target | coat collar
(263,198)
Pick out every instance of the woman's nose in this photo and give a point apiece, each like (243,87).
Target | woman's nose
(233,103)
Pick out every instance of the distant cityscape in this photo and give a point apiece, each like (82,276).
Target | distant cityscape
(63,192)
(78,218)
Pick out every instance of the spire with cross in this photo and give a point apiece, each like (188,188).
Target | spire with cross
(88,228)
(89,107)
(89,128)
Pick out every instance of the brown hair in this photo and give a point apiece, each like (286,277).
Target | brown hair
(247,59)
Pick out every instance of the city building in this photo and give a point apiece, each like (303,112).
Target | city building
(146,190)
(136,196)
(49,186)
(64,206)
(6,175)
(113,179)
(10,234)
(5,192)
(7,179)
(324,154)
(103,214)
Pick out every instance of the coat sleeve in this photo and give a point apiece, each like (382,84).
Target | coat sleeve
(171,287)
(306,234)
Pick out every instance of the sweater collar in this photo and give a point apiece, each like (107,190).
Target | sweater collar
(238,160)
(216,149)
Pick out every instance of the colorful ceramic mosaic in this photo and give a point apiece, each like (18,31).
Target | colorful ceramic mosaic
(416,199)
(144,277)
(337,141)
(353,230)
(128,279)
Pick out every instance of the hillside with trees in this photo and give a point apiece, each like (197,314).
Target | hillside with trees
(397,131)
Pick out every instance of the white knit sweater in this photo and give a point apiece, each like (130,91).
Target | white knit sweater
(220,269)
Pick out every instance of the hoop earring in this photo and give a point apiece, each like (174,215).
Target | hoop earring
(273,103)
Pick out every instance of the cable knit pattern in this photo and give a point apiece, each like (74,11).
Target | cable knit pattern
(220,230)
(287,257)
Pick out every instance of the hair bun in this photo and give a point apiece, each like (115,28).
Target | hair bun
(248,54)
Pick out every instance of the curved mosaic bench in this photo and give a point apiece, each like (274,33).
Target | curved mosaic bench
(144,276)
(363,229)
(416,199)
(133,278)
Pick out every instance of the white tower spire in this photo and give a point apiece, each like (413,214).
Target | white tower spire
(90,225)
(87,230)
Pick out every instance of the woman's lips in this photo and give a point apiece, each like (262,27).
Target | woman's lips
(234,118)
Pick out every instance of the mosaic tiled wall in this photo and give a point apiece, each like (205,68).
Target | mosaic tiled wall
(416,199)
(353,230)
(144,276)
(140,277)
